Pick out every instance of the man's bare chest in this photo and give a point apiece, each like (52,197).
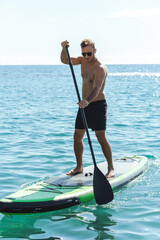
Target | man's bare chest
(87,73)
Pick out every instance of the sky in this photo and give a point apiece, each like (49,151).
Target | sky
(124,31)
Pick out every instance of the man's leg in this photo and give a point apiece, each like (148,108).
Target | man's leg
(107,151)
(78,150)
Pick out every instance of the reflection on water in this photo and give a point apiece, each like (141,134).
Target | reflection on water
(72,222)
(101,224)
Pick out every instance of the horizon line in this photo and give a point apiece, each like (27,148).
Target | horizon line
(77,65)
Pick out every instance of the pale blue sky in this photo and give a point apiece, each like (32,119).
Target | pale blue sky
(125,31)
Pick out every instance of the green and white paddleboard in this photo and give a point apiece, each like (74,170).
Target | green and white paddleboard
(66,191)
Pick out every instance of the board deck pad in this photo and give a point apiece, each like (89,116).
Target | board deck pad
(86,179)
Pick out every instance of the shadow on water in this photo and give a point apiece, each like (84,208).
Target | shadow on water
(82,222)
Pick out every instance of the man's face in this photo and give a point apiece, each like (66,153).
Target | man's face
(88,53)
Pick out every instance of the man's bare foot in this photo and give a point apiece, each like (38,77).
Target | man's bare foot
(74,172)
(110,174)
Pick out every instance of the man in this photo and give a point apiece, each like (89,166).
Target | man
(94,76)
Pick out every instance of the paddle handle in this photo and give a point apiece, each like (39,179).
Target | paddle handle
(81,109)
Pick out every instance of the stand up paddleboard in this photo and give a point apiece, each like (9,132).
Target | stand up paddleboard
(66,191)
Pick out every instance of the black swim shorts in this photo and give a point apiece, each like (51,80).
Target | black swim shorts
(96,115)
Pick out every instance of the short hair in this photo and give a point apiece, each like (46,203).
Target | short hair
(87,42)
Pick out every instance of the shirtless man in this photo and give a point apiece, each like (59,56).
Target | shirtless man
(94,76)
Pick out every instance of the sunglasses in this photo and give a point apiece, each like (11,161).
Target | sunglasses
(87,53)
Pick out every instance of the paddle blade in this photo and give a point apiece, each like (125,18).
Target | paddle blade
(102,189)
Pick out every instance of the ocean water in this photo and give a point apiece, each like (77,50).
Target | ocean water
(37,113)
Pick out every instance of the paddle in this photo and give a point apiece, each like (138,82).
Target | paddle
(102,189)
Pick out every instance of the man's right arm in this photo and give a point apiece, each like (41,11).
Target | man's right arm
(64,57)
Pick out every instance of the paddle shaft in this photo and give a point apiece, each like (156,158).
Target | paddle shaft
(81,109)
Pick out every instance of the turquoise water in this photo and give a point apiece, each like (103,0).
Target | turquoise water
(37,112)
